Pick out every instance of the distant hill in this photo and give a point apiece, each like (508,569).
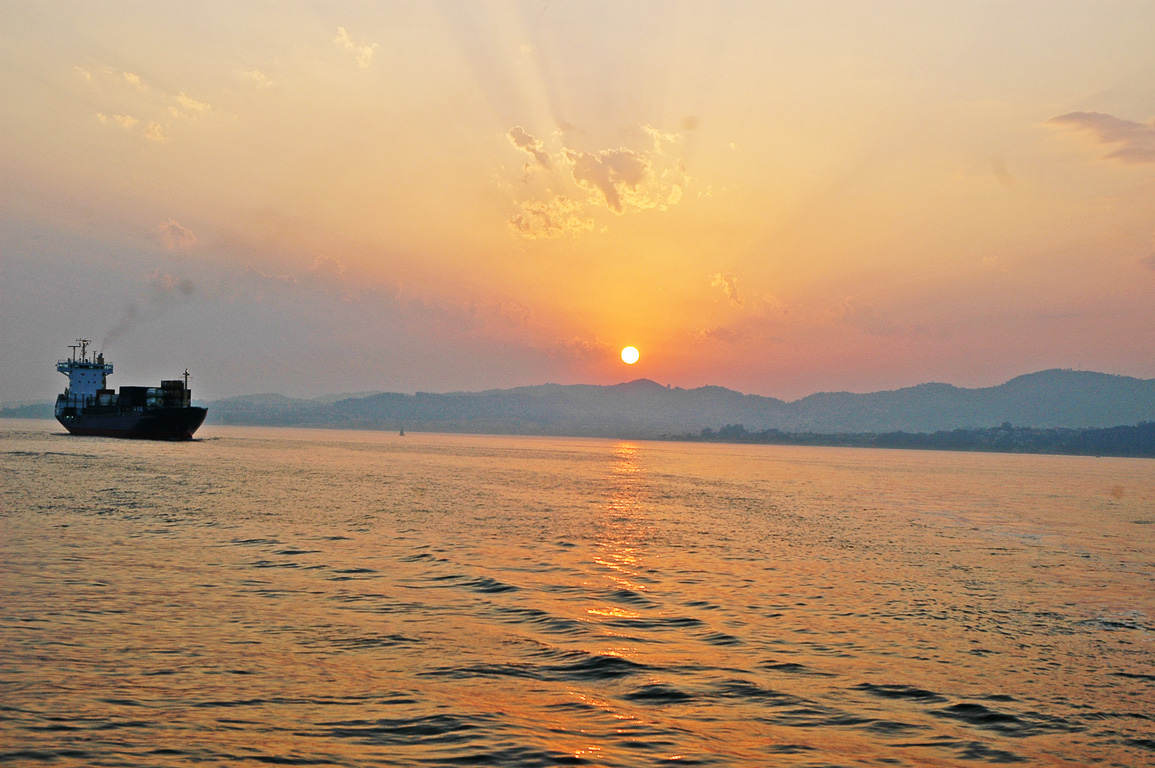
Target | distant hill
(28,411)
(643,408)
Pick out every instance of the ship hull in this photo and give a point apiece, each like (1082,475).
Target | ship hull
(173,423)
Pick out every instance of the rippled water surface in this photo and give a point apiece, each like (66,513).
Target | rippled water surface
(350,598)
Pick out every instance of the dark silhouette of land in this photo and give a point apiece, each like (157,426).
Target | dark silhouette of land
(1050,411)
(1134,441)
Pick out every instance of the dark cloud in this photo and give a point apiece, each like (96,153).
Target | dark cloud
(611,171)
(1137,140)
(533,146)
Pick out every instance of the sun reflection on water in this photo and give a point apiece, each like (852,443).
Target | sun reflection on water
(624,524)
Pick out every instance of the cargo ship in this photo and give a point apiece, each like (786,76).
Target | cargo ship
(88,407)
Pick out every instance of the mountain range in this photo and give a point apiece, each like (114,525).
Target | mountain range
(643,408)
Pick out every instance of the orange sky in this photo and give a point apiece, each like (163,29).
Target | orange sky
(780,198)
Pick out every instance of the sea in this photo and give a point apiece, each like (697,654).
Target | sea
(264,596)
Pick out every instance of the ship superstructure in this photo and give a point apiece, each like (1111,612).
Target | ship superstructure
(89,407)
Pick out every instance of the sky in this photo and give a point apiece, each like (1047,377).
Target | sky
(776,197)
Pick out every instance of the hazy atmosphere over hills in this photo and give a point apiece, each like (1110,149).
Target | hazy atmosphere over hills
(643,408)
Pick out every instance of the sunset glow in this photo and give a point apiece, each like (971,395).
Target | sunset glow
(782,197)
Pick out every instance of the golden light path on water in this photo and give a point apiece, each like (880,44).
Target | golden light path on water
(350,598)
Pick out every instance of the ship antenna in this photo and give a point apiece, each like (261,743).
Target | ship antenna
(186,378)
(74,347)
(83,349)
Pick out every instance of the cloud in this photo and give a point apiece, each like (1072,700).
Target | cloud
(191,105)
(328,274)
(619,180)
(175,236)
(729,285)
(534,147)
(725,335)
(613,172)
(167,285)
(661,138)
(325,276)
(1137,140)
(579,349)
(1149,261)
(554,218)
(362,53)
(260,284)
(155,132)
(157,109)
(258,78)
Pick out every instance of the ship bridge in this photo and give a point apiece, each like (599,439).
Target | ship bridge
(86,375)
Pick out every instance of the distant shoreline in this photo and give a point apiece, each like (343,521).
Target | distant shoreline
(1134,442)
(1121,442)
(1054,411)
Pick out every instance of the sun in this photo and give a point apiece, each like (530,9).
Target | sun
(630,355)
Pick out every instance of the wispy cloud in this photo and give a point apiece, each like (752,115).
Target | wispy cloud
(155,132)
(722,334)
(363,54)
(578,349)
(729,285)
(157,110)
(328,274)
(550,218)
(174,236)
(258,78)
(759,317)
(1136,140)
(192,108)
